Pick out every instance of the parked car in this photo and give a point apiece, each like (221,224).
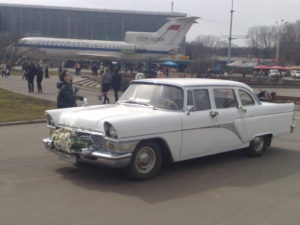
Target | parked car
(295,74)
(274,74)
(159,120)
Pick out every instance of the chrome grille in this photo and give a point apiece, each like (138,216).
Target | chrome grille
(96,141)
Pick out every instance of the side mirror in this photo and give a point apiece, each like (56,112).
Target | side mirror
(189,109)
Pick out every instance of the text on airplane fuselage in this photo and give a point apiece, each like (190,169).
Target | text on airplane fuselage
(143,38)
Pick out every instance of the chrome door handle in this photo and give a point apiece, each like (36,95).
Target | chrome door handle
(213,114)
(242,109)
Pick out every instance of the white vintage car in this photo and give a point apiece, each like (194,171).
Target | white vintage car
(159,120)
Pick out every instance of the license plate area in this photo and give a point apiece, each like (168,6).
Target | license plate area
(72,158)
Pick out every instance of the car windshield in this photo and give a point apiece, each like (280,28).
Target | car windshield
(155,95)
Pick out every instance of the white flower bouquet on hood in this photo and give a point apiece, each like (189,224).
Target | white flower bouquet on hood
(67,140)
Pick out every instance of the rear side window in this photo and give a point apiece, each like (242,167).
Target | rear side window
(225,98)
(199,99)
(246,98)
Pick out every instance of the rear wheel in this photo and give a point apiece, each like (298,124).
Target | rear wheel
(146,161)
(257,146)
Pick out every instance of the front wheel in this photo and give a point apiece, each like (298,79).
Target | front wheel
(257,146)
(146,161)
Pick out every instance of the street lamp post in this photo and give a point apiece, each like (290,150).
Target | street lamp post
(230,34)
(278,23)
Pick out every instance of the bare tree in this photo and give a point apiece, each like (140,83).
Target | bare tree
(262,41)
(290,44)
(202,54)
(8,48)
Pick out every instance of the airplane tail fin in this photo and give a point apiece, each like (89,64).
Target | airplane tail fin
(172,33)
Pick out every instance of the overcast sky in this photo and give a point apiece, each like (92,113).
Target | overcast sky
(215,14)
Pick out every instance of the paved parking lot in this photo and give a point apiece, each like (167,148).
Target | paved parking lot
(228,189)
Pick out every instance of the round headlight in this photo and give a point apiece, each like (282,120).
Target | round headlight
(111,131)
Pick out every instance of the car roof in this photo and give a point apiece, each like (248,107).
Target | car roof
(191,82)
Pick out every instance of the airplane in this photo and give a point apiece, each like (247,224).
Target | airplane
(138,46)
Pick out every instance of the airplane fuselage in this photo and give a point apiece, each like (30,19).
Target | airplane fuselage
(137,46)
(90,49)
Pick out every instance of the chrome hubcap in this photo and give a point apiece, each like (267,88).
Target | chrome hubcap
(145,160)
(258,143)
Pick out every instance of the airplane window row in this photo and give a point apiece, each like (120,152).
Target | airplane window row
(76,44)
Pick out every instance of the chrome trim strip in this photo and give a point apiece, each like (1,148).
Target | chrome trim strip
(111,156)
(231,127)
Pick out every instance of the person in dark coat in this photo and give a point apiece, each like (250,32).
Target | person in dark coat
(116,83)
(39,78)
(106,83)
(46,71)
(67,93)
(30,74)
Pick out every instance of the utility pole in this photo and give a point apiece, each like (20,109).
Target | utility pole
(278,23)
(230,34)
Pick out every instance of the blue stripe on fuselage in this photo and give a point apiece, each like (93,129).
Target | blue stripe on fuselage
(87,48)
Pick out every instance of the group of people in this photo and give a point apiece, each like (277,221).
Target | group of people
(67,94)
(30,71)
(264,95)
(111,79)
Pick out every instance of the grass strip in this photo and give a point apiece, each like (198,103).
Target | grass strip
(18,107)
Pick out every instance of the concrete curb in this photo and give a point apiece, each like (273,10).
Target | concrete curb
(12,123)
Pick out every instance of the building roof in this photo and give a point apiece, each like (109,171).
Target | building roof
(94,10)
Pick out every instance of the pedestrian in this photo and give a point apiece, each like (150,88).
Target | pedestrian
(46,70)
(139,75)
(77,69)
(8,70)
(3,70)
(101,69)
(60,69)
(39,78)
(160,74)
(106,83)
(30,74)
(116,83)
(67,95)
(94,70)
(24,69)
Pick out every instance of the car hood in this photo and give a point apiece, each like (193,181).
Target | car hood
(129,120)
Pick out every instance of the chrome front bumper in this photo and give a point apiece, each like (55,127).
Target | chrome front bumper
(110,159)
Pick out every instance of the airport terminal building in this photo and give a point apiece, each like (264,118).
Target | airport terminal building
(79,23)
